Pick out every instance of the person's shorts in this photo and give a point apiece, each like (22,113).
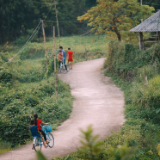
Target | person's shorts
(70,59)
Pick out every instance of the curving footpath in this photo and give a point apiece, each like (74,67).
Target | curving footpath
(98,102)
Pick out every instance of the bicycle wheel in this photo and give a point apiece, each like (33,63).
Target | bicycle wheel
(63,69)
(50,138)
(38,144)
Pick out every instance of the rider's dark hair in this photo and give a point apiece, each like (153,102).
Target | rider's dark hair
(69,48)
(61,47)
(35,118)
(32,121)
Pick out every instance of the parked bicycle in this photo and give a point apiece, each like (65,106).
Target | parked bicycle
(37,141)
(64,68)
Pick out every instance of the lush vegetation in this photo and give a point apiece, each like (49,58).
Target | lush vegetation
(19,18)
(137,73)
(27,86)
(27,83)
(92,149)
(115,18)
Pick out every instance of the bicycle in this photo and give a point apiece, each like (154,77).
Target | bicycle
(64,68)
(37,141)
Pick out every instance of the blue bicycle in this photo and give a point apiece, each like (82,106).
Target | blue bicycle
(37,141)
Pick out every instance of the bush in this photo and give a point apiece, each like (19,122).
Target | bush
(48,71)
(17,106)
(31,53)
(147,97)
(5,75)
(125,59)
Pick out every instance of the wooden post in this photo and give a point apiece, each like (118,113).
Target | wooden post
(44,38)
(57,22)
(141,42)
(54,48)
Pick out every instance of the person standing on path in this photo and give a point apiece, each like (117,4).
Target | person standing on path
(64,56)
(70,57)
(60,58)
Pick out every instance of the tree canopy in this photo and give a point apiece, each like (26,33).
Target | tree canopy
(19,16)
(110,16)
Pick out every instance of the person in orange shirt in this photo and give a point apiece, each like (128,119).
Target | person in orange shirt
(60,58)
(70,57)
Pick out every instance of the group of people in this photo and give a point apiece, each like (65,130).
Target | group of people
(37,131)
(35,128)
(62,56)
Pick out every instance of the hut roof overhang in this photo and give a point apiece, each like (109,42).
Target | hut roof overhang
(151,24)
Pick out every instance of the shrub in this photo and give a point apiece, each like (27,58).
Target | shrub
(5,75)
(125,59)
(31,100)
(147,98)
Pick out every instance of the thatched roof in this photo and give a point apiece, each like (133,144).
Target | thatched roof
(151,24)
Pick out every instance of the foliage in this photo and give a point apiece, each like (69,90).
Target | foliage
(90,145)
(17,106)
(132,64)
(90,3)
(24,88)
(129,62)
(136,128)
(141,93)
(20,18)
(110,16)
(154,3)
(93,149)
(147,98)
(40,156)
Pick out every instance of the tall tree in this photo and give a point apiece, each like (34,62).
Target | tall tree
(90,3)
(154,3)
(115,16)
(20,15)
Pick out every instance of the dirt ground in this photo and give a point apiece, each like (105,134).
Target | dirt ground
(98,102)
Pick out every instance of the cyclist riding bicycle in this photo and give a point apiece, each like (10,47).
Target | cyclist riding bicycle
(64,55)
(35,133)
(38,122)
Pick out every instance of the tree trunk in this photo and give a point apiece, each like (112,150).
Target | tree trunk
(118,34)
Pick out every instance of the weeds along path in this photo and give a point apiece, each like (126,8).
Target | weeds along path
(98,102)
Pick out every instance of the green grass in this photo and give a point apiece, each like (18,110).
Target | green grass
(96,46)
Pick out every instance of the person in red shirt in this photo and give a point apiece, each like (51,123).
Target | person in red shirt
(34,131)
(70,57)
(38,122)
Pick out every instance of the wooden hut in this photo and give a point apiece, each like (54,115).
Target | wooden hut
(151,24)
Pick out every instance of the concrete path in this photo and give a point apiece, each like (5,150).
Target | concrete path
(98,102)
